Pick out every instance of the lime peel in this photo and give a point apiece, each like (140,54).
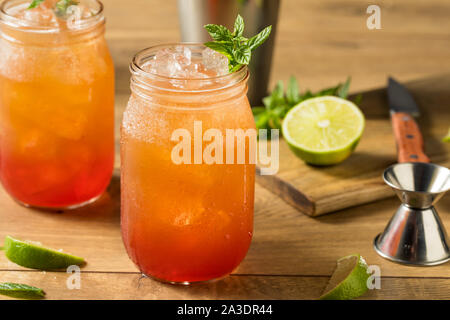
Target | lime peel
(32,255)
(349,279)
(447,137)
(21,291)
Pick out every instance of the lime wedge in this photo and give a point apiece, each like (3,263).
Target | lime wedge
(323,130)
(447,137)
(349,279)
(21,291)
(32,255)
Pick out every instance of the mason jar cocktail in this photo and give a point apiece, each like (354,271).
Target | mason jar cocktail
(56,104)
(186,209)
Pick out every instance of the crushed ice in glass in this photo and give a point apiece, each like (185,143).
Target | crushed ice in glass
(180,62)
(46,16)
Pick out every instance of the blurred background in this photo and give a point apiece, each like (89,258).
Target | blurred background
(320,42)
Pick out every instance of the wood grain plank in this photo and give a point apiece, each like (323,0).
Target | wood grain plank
(321,43)
(285,241)
(105,286)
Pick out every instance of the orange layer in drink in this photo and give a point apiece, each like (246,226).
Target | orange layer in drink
(56,115)
(184,222)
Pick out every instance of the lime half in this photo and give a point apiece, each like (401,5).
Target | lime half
(32,255)
(323,130)
(349,279)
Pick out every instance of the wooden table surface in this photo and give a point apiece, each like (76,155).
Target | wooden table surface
(292,255)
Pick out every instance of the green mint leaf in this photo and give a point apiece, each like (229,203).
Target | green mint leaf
(447,137)
(308,95)
(276,116)
(278,103)
(333,91)
(276,98)
(21,291)
(267,101)
(278,92)
(242,2)
(261,117)
(62,6)
(274,122)
(279,110)
(258,110)
(292,92)
(358,99)
(221,47)
(262,121)
(242,54)
(35,4)
(238,26)
(218,32)
(343,90)
(237,48)
(259,39)
(234,67)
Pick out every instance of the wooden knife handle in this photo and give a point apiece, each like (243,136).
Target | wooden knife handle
(408,137)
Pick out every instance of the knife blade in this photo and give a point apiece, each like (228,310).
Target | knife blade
(400,99)
(407,133)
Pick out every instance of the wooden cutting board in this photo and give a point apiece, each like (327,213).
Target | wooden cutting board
(319,190)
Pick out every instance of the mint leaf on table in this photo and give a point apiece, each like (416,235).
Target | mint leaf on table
(21,291)
(292,92)
(279,102)
(261,117)
(342,92)
(35,4)
(237,48)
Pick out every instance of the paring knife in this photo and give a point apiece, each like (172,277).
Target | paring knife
(407,133)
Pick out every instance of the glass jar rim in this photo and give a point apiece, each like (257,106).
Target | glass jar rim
(229,79)
(14,22)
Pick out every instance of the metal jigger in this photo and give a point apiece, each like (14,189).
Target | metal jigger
(415,234)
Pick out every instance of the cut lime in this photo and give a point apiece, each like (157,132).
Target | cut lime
(447,137)
(323,130)
(32,255)
(349,279)
(21,291)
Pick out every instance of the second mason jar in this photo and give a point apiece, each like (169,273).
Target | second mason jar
(187,212)
(56,104)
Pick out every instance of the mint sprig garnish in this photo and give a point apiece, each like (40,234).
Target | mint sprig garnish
(237,48)
(35,4)
(60,7)
(279,102)
(63,5)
